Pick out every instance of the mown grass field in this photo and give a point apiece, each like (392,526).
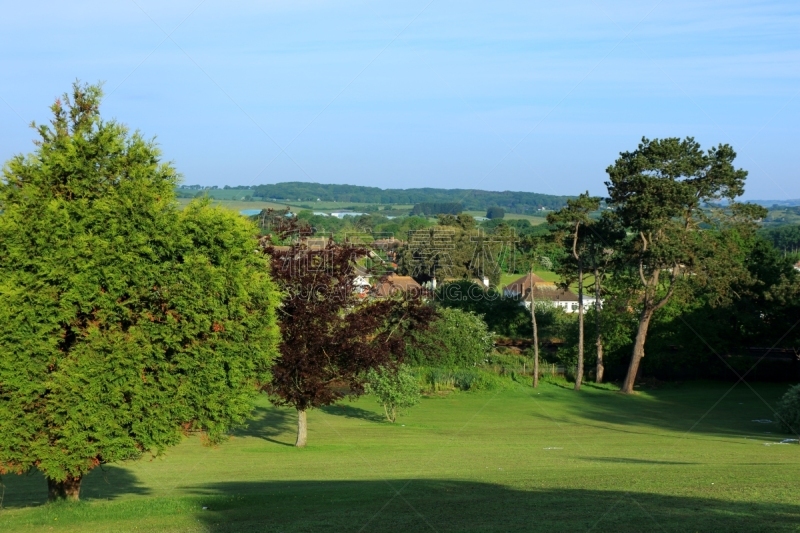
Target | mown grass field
(534,220)
(681,458)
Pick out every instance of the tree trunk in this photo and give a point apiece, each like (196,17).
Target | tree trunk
(600,368)
(69,489)
(638,350)
(599,340)
(302,429)
(579,371)
(535,337)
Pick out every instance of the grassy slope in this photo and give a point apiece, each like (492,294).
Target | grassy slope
(515,460)
(546,275)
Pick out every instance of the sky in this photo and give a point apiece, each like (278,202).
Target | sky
(503,95)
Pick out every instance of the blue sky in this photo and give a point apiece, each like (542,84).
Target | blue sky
(502,95)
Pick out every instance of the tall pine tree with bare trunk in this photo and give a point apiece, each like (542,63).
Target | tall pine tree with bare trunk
(604,237)
(535,333)
(663,193)
(572,230)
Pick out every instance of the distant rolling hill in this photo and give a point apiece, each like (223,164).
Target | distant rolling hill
(472,199)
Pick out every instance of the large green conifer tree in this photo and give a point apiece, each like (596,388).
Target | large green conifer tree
(126,323)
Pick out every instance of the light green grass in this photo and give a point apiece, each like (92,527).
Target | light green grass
(534,220)
(682,458)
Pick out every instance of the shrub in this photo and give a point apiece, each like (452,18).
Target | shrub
(456,338)
(395,389)
(789,411)
(442,379)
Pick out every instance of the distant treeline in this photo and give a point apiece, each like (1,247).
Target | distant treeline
(437,208)
(784,238)
(472,200)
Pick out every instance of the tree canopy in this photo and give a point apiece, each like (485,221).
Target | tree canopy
(511,201)
(331,334)
(660,193)
(126,322)
(495,213)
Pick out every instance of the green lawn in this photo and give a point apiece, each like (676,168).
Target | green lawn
(680,458)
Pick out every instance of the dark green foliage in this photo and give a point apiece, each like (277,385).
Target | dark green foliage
(698,335)
(788,411)
(495,213)
(437,208)
(455,338)
(126,323)
(504,316)
(784,238)
(512,202)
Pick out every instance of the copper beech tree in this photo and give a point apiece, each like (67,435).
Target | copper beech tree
(332,333)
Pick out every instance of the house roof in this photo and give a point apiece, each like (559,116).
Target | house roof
(523,284)
(543,290)
(551,293)
(393,284)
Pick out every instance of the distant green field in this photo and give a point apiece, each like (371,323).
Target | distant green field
(781,217)
(679,458)
(534,220)
(238,205)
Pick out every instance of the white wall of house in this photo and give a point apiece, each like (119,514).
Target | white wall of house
(568,307)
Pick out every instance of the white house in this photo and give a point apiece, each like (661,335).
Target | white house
(545,291)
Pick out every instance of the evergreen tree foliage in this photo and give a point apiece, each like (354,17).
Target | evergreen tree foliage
(127,324)
(660,193)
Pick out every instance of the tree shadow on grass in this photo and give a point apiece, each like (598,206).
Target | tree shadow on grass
(106,483)
(711,408)
(444,505)
(349,411)
(268,423)
(632,461)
